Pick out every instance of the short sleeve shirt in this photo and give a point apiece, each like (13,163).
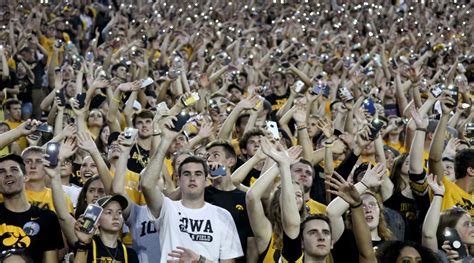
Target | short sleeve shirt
(36,230)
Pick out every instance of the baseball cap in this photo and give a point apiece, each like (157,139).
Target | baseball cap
(13,157)
(104,201)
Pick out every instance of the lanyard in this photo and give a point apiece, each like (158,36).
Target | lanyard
(94,252)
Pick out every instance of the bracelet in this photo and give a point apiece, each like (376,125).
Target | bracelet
(81,246)
(328,144)
(442,196)
(356,206)
(301,127)
(115,100)
(364,184)
(421,129)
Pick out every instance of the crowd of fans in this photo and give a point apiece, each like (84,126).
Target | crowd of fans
(236,131)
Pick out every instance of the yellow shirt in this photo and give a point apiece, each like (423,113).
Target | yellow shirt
(44,199)
(132,183)
(455,196)
(315,207)
(397,146)
(22,140)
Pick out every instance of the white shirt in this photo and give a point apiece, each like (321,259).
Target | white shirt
(208,231)
(73,193)
(145,236)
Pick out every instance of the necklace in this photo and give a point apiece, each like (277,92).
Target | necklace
(110,254)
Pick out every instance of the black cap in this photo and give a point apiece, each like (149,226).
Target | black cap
(104,201)
(235,86)
(113,137)
(13,157)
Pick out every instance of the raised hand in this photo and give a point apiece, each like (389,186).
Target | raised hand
(130,86)
(206,130)
(70,130)
(343,189)
(68,148)
(451,147)
(275,152)
(373,175)
(420,121)
(299,115)
(84,238)
(248,103)
(294,153)
(326,126)
(85,142)
(438,188)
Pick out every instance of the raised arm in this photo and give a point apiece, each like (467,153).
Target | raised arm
(149,179)
(300,117)
(228,125)
(430,225)
(350,194)
(119,180)
(417,146)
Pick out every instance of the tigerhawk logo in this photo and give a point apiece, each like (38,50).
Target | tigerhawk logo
(13,236)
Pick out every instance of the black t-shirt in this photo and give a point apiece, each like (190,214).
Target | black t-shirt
(106,254)
(253,175)
(234,202)
(408,210)
(277,102)
(76,175)
(138,159)
(36,230)
(345,249)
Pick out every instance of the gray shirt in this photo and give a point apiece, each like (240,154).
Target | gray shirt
(146,239)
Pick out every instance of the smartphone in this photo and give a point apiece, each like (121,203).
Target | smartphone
(375,129)
(62,98)
(299,86)
(272,127)
(191,99)
(146,82)
(89,56)
(469,130)
(451,234)
(162,106)
(129,134)
(437,90)
(285,64)
(81,99)
(218,171)
(44,127)
(453,91)
(369,106)
(181,119)
(52,150)
(315,90)
(346,93)
(91,216)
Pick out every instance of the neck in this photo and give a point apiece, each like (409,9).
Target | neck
(113,163)
(109,239)
(280,91)
(192,202)
(314,259)
(35,186)
(306,196)
(145,143)
(65,180)
(224,183)
(94,130)
(374,233)
(394,138)
(17,203)
(465,183)
(259,165)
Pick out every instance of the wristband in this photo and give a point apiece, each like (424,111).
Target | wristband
(81,246)
(301,127)
(442,196)
(421,129)
(328,144)
(364,184)
(356,206)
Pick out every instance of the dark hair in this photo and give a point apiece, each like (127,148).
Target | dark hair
(247,135)
(81,199)
(116,66)
(102,146)
(9,102)
(229,150)
(389,251)
(462,162)
(395,173)
(194,159)
(144,114)
(311,217)
(448,218)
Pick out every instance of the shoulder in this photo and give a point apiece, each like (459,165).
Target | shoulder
(220,212)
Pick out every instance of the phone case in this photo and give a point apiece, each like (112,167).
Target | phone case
(91,216)
(273,128)
(129,134)
(369,106)
(146,82)
(376,127)
(52,150)
(181,120)
(81,98)
(299,86)
(61,97)
(219,171)
(192,99)
(452,235)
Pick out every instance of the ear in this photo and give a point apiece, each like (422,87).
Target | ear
(231,161)
(26,179)
(243,151)
(470,171)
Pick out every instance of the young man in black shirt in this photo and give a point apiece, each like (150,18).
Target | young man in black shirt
(23,225)
(140,153)
(224,194)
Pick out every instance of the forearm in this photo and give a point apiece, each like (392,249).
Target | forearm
(416,152)
(58,122)
(317,157)
(362,235)
(437,144)
(225,131)
(305,141)
(238,176)
(430,224)
(9,137)
(289,211)
(301,75)
(104,172)
(80,257)
(66,220)
(338,206)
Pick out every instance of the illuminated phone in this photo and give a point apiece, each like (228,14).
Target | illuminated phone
(52,150)
(91,216)
(369,106)
(437,90)
(452,235)
(146,82)
(375,129)
(299,86)
(344,91)
(181,119)
(62,98)
(129,134)
(191,99)
(44,127)
(272,127)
